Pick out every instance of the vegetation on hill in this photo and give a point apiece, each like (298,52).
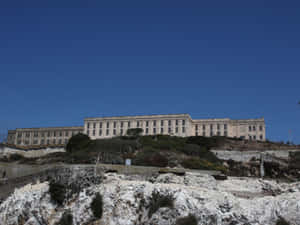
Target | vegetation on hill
(156,150)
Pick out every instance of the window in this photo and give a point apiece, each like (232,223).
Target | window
(147,123)
(19,135)
(211,134)
(203,134)
(196,127)
(218,133)
(176,130)
(100,132)
(154,130)
(27,134)
(254,128)
(250,128)
(59,141)
(154,123)
(66,141)
(42,141)
(48,142)
(88,133)
(107,132)
(218,126)
(161,130)
(138,124)
(35,134)
(115,124)
(169,122)
(94,132)
(54,134)
(60,133)
(54,141)
(19,142)
(107,125)
(48,134)
(128,124)
(242,137)
(261,128)
(183,129)
(26,142)
(261,137)
(100,124)
(250,137)
(254,137)
(114,132)
(35,142)
(211,127)
(225,126)
(203,127)
(88,125)
(162,123)
(170,130)
(225,133)
(196,133)
(176,122)
(147,130)
(67,134)
(183,122)
(122,124)
(94,125)
(121,132)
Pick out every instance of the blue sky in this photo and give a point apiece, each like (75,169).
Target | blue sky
(61,61)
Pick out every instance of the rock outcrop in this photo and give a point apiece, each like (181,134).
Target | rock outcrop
(127,201)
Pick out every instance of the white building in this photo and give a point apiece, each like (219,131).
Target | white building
(172,124)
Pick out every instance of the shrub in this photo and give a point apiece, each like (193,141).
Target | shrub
(159,200)
(200,164)
(66,219)
(78,142)
(15,157)
(188,220)
(282,221)
(97,206)
(134,132)
(150,157)
(57,192)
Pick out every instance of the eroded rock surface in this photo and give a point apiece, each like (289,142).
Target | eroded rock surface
(126,202)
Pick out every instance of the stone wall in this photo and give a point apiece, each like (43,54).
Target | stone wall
(246,156)
(6,151)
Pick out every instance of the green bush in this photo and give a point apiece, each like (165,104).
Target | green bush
(188,220)
(282,221)
(66,219)
(57,192)
(134,132)
(200,164)
(150,157)
(159,200)
(78,142)
(97,206)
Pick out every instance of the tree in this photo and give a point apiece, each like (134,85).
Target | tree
(78,142)
(135,132)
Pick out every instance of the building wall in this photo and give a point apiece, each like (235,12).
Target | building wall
(107,127)
(174,124)
(43,136)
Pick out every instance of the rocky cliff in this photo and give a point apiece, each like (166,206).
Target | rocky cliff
(128,200)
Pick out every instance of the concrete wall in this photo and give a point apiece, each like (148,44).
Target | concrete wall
(246,156)
(6,151)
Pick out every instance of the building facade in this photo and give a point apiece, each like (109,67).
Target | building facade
(42,136)
(178,124)
(172,124)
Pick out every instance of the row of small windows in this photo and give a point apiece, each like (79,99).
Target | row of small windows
(154,131)
(47,134)
(253,128)
(261,137)
(43,141)
(212,133)
(138,124)
(211,126)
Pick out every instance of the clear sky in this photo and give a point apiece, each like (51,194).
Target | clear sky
(62,61)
